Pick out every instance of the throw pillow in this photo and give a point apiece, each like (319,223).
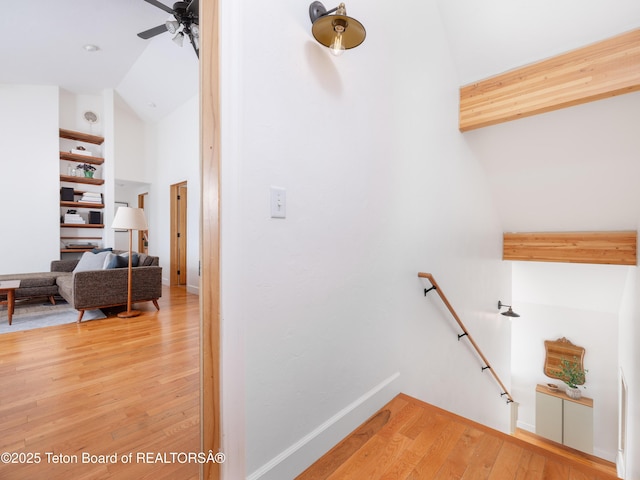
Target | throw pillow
(91,261)
(120,261)
(98,250)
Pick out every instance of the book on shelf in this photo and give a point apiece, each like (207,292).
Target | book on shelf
(73,218)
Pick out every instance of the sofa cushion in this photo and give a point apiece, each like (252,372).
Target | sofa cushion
(145,260)
(91,261)
(33,280)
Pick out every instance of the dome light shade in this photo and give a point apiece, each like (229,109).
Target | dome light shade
(336,30)
(508,313)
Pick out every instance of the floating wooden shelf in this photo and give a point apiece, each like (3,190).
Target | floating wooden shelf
(82,225)
(77,237)
(611,248)
(87,180)
(76,250)
(74,157)
(81,205)
(81,137)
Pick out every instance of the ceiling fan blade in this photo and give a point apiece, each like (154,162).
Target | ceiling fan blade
(193,8)
(152,32)
(160,5)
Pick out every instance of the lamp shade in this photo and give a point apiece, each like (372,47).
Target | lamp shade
(128,218)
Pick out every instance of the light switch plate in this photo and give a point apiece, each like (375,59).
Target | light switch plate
(278,202)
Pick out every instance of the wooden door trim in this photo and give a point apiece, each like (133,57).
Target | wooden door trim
(175,228)
(210,235)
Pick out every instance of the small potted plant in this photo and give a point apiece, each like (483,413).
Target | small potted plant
(573,375)
(88,169)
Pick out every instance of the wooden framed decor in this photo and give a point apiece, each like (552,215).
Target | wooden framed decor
(556,351)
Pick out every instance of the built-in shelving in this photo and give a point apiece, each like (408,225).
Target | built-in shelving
(93,185)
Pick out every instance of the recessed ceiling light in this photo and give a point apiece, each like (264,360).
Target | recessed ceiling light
(91,48)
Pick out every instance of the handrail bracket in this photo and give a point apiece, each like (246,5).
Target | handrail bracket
(427,290)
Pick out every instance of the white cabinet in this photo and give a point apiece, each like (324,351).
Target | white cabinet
(564,420)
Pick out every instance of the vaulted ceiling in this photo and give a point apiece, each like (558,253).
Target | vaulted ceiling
(44,43)
(566,170)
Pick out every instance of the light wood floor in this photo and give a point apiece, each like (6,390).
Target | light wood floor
(411,440)
(102,387)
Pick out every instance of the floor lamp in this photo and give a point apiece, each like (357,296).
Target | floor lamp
(128,218)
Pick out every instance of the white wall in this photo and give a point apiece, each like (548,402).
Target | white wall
(629,359)
(581,303)
(130,145)
(29,185)
(380,185)
(172,156)
(573,169)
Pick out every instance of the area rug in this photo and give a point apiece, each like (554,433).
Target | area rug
(30,316)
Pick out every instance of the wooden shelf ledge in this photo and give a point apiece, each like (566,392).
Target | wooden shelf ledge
(87,180)
(608,248)
(82,225)
(81,137)
(81,205)
(74,157)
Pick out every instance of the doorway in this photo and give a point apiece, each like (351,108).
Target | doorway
(178,265)
(143,236)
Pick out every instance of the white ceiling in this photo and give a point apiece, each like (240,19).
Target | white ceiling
(46,48)
(487,37)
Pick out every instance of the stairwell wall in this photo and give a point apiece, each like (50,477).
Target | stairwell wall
(326,304)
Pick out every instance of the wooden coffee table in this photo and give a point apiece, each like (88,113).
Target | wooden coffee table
(8,287)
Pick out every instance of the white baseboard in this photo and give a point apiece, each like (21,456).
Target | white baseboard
(315,434)
(620,465)
(526,426)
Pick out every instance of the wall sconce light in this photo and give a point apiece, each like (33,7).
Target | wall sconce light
(338,32)
(508,313)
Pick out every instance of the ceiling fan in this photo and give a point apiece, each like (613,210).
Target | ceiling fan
(185,23)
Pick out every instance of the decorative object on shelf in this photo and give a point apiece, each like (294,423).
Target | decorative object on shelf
(90,117)
(66,194)
(88,169)
(80,150)
(552,387)
(508,313)
(573,375)
(338,32)
(128,218)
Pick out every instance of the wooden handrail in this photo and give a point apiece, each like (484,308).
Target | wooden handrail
(436,287)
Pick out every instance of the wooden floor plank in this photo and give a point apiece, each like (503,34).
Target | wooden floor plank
(423,442)
(341,452)
(103,387)
(439,451)
(507,462)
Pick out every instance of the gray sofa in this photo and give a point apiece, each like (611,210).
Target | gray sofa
(93,289)
(89,290)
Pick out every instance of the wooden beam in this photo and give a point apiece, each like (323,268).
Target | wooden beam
(611,248)
(605,69)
